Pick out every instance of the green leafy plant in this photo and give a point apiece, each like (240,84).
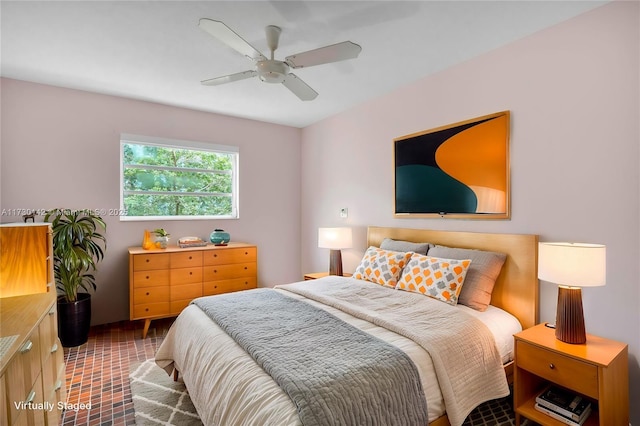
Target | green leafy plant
(78,246)
(160,232)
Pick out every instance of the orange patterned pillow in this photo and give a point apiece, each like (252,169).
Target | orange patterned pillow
(439,278)
(381,266)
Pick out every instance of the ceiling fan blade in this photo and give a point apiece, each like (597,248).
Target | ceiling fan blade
(230,38)
(299,88)
(324,55)
(229,78)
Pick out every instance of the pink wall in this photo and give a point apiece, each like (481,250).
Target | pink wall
(573,92)
(60,148)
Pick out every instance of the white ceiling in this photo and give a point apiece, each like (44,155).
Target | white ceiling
(155,51)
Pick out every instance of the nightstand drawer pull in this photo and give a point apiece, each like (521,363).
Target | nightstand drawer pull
(551,366)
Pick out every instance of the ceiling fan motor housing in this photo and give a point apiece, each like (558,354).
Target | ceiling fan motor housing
(272,71)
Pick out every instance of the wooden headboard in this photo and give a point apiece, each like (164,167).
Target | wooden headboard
(516,289)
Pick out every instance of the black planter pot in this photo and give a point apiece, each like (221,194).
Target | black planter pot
(74,320)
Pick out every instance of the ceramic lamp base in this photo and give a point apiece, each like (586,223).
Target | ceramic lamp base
(570,316)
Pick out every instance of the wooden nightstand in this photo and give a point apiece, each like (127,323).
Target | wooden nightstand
(316,275)
(597,369)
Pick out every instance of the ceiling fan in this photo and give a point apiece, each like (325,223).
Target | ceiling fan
(272,70)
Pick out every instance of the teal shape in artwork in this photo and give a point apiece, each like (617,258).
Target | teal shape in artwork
(426,189)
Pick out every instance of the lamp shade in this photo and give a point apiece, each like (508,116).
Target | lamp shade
(573,264)
(334,238)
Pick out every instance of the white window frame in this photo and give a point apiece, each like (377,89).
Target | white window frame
(182,144)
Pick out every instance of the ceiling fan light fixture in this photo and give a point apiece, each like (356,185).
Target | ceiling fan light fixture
(272,71)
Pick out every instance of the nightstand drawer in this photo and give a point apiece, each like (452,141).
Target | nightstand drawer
(562,370)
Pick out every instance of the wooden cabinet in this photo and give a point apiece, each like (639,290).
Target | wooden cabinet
(32,381)
(33,365)
(26,263)
(34,374)
(597,369)
(163,282)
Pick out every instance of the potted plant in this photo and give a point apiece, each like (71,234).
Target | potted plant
(78,246)
(162,238)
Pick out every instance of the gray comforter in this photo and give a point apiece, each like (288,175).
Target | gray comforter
(333,372)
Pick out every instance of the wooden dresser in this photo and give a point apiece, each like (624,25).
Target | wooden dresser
(32,371)
(162,282)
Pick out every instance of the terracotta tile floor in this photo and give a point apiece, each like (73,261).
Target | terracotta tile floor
(97,372)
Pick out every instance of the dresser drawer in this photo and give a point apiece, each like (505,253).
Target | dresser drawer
(225,272)
(225,256)
(186,276)
(186,292)
(147,262)
(148,310)
(186,260)
(557,368)
(150,295)
(150,278)
(225,286)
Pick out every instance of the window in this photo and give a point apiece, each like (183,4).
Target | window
(168,179)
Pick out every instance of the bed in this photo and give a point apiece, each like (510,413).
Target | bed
(228,386)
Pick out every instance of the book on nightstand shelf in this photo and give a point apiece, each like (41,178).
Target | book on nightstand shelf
(560,417)
(570,406)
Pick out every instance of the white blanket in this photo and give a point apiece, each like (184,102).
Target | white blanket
(228,388)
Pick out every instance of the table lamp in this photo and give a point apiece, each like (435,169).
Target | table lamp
(572,266)
(334,239)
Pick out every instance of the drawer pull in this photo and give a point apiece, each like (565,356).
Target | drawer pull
(190,273)
(146,309)
(58,385)
(246,252)
(245,268)
(215,255)
(190,257)
(146,260)
(31,397)
(147,276)
(551,366)
(147,293)
(215,271)
(26,347)
(54,348)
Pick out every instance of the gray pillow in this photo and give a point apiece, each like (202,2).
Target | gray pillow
(404,246)
(481,276)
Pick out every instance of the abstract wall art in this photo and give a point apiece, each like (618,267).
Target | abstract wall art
(457,171)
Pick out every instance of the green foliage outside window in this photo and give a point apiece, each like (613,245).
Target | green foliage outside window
(170,181)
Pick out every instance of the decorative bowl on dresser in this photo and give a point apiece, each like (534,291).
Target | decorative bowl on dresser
(163,282)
